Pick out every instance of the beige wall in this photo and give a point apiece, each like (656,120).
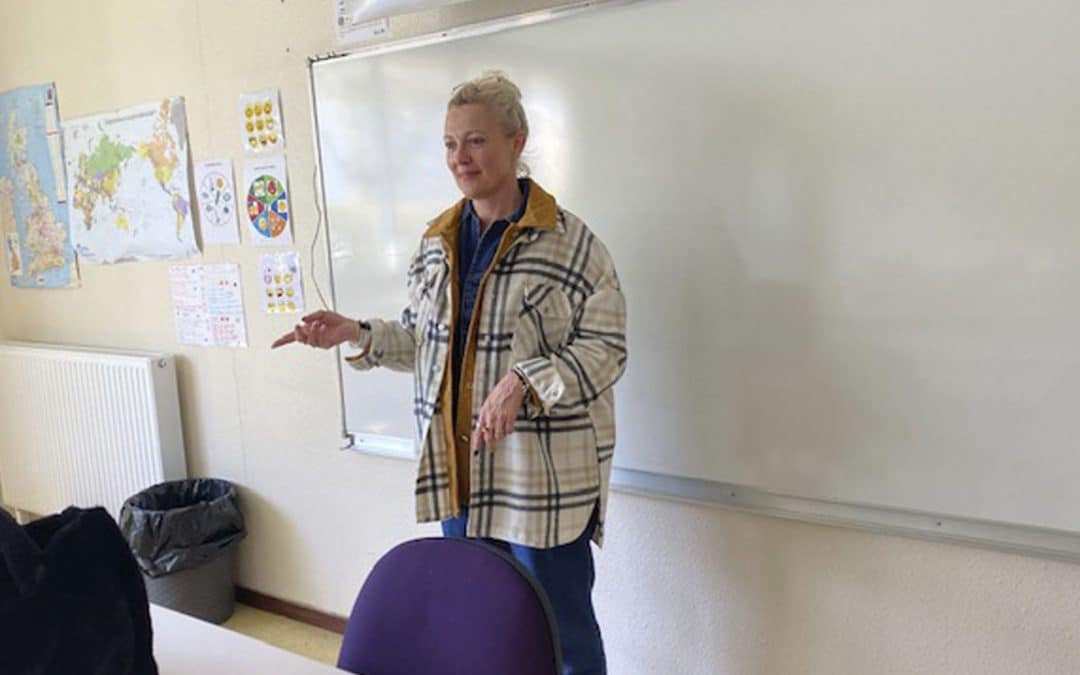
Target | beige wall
(681,588)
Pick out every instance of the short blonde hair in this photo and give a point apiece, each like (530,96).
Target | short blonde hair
(495,89)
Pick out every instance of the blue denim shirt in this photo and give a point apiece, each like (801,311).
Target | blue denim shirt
(476,252)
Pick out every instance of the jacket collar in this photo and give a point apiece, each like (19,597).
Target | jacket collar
(540,214)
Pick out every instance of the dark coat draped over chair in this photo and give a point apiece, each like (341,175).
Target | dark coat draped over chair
(72,599)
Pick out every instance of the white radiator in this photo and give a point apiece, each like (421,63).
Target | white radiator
(85,428)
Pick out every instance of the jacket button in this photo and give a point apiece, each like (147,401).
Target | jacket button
(464,438)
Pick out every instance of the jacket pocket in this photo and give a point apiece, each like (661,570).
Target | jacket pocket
(543,322)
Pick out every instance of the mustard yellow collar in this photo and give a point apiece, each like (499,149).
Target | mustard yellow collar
(540,213)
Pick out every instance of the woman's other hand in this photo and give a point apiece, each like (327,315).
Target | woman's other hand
(321,329)
(497,415)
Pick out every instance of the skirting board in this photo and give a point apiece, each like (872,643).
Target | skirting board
(312,617)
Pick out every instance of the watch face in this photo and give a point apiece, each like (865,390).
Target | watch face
(216,197)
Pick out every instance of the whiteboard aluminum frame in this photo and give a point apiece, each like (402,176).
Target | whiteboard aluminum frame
(1014,538)
(460,32)
(1023,539)
(320,205)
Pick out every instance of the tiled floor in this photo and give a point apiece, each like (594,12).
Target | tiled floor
(301,638)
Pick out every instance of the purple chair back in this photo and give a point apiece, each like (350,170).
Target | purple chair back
(443,606)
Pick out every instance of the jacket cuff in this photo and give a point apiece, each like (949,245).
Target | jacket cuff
(545,385)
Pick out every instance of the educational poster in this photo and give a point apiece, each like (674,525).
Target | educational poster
(128,178)
(216,195)
(266,191)
(225,305)
(282,290)
(33,217)
(189,305)
(260,116)
(208,305)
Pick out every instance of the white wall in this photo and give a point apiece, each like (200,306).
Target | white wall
(681,588)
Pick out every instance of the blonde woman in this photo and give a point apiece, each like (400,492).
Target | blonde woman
(515,334)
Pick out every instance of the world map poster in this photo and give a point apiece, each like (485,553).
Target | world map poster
(130,198)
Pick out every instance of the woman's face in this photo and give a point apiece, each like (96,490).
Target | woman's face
(479,153)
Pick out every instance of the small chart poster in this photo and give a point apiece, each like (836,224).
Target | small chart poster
(267,194)
(208,305)
(260,114)
(282,290)
(216,195)
(225,305)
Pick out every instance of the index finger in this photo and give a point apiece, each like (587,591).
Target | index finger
(284,340)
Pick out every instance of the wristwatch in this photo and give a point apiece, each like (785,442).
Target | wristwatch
(363,336)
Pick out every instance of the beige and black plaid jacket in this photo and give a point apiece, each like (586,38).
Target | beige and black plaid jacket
(550,306)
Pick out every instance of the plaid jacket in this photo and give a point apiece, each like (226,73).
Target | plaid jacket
(549,307)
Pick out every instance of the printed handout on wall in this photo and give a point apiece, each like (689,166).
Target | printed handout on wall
(262,131)
(267,194)
(208,305)
(282,289)
(217,202)
(359,20)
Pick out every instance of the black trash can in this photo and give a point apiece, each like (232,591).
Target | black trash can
(183,534)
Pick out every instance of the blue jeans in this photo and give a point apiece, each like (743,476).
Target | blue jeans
(566,573)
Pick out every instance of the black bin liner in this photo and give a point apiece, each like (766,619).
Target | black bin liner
(181,525)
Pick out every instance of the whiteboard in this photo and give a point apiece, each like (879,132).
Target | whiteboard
(849,234)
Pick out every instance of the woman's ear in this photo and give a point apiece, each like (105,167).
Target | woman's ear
(519,143)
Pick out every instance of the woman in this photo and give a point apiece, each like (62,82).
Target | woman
(515,334)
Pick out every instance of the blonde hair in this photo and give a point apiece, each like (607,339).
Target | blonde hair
(495,89)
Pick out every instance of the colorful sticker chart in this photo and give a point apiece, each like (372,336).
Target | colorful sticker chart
(208,305)
(267,196)
(216,196)
(282,289)
(261,129)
